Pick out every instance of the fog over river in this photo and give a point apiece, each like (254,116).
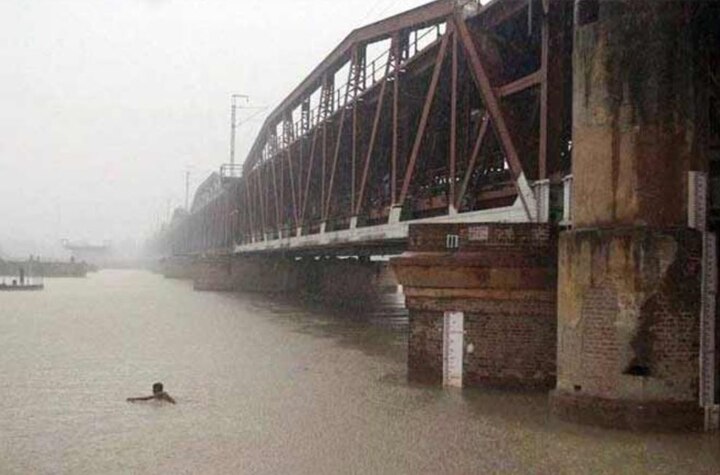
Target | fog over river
(266,387)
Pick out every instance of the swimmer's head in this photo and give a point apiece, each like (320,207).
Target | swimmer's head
(157,388)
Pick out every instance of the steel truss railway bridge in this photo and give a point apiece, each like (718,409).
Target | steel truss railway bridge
(546,174)
(451,112)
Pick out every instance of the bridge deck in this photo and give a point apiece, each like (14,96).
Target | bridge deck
(386,239)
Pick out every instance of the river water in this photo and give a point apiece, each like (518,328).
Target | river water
(266,387)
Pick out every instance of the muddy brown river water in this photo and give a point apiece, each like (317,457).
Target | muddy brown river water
(266,387)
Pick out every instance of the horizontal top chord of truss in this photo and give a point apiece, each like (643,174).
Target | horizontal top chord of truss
(332,99)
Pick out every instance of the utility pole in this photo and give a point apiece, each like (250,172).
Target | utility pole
(235,123)
(233,127)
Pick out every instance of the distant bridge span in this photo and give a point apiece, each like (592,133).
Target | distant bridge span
(450,112)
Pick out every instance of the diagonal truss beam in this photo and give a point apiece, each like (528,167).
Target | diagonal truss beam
(492,103)
(473,159)
(309,174)
(338,142)
(249,207)
(275,193)
(424,118)
(395,51)
(292,185)
(333,168)
(262,198)
(525,82)
(371,145)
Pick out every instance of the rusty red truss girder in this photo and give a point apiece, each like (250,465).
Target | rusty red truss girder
(437,110)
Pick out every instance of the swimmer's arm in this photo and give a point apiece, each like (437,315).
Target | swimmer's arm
(135,399)
(168,398)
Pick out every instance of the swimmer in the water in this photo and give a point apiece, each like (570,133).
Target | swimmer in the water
(158,394)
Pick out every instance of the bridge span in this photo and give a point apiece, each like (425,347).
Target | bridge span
(544,173)
(403,122)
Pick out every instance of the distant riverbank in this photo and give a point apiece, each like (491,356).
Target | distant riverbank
(45,269)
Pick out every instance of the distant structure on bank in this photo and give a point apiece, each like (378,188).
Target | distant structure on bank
(96,254)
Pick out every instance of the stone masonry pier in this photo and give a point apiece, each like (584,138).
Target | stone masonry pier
(502,279)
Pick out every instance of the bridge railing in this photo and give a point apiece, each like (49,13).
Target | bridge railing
(381,67)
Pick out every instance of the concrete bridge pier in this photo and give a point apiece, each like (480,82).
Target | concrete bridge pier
(482,303)
(630,270)
(227,273)
(348,281)
(263,274)
(178,267)
(213,273)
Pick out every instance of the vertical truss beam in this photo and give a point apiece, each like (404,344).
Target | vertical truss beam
(327,102)
(261,192)
(272,142)
(544,56)
(281,224)
(357,86)
(404,45)
(327,97)
(357,80)
(305,117)
(453,119)
(354,155)
(288,130)
(289,138)
(323,154)
(305,123)
(338,142)
(249,207)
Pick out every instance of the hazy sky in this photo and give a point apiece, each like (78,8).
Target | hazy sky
(105,103)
